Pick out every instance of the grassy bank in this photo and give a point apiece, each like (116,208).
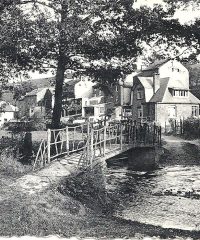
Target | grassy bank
(77,207)
(51,213)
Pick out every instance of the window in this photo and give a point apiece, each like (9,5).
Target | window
(139,94)
(195,111)
(172,111)
(116,88)
(180,93)
(101,110)
(140,112)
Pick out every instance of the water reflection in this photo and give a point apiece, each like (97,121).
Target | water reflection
(168,196)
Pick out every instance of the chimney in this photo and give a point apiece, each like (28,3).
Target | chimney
(156,82)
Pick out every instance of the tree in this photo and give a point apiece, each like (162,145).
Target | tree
(103,37)
(22,89)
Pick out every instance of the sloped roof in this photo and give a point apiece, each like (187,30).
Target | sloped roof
(147,82)
(178,84)
(151,69)
(10,108)
(6,107)
(72,82)
(158,96)
(128,82)
(32,93)
(156,65)
(163,95)
(36,91)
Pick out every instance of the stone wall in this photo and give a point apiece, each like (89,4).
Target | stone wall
(182,111)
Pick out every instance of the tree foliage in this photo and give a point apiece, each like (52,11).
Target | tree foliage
(103,37)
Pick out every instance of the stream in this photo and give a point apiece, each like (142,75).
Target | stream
(168,196)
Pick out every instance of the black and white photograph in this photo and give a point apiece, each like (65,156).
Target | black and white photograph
(100,119)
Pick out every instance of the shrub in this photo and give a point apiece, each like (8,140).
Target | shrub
(9,164)
(191,127)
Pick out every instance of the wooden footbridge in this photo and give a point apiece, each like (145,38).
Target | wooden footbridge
(84,144)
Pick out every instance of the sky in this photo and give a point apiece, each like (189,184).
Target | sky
(184,16)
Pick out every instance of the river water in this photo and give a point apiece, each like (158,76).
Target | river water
(168,196)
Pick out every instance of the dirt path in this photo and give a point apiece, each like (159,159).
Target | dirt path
(43,179)
(180,151)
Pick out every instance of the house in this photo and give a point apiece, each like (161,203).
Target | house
(38,102)
(74,91)
(116,98)
(161,93)
(94,108)
(7,112)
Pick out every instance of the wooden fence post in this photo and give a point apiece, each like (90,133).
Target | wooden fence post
(91,147)
(121,136)
(104,141)
(175,126)
(154,133)
(135,133)
(160,137)
(67,140)
(48,145)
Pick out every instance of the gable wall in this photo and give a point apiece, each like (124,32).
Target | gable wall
(170,69)
(182,111)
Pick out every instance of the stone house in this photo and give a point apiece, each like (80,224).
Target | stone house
(161,93)
(38,102)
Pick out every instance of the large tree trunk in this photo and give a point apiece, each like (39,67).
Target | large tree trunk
(57,110)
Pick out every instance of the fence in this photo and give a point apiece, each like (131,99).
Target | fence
(174,127)
(94,140)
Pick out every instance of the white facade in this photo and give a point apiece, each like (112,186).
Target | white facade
(7,113)
(83,89)
(174,70)
(6,117)
(93,109)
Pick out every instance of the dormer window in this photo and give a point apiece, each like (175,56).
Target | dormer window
(180,93)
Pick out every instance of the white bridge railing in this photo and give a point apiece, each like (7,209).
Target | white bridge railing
(94,141)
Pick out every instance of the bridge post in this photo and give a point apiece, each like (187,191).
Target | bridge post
(48,145)
(67,140)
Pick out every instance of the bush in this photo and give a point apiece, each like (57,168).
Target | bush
(10,166)
(191,127)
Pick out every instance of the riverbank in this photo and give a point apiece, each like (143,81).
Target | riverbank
(33,205)
(51,213)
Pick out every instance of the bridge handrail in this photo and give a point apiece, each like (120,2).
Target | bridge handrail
(96,141)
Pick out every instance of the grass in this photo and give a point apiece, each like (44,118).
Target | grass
(10,166)
(74,211)
(52,213)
